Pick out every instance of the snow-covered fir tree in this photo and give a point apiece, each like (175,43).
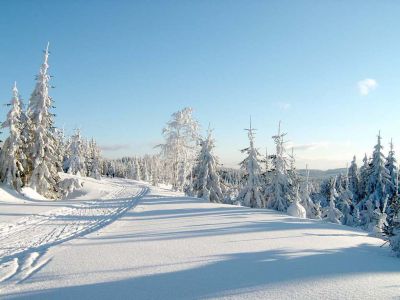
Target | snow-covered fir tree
(391,166)
(12,155)
(391,230)
(206,181)
(138,171)
(95,160)
(331,213)
(76,162)
(345,202)
(379,179)
(353,180)
(380,218)
(280,192)
(250,193)
(306,201)
(43,176)
(363,179)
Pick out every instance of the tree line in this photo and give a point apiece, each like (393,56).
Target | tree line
(365,197)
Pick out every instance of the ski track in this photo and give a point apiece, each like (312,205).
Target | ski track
(24,243)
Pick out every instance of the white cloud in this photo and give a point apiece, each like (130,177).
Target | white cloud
(284,105)
(305,147)
(367,85)
(114,147)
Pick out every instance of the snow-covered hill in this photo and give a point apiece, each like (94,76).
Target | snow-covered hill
(120,239)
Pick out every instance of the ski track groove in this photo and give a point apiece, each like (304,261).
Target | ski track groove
(24,243)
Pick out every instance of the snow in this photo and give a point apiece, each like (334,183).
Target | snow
(32,194)
(123,239)
(296,210)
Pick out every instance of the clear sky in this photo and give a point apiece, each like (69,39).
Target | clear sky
(330,70)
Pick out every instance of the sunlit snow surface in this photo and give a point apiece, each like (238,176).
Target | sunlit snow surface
(118,239)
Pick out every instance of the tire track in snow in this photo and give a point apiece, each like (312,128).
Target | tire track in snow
(23,244)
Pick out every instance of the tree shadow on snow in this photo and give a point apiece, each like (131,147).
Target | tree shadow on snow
(233,275)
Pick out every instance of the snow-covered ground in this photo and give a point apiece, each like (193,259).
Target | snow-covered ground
(120,239)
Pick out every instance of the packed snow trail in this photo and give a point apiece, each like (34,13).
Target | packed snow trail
(173,247)
(23,244)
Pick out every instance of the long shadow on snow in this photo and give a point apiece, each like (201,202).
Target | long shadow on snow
(233,275)
(206,217)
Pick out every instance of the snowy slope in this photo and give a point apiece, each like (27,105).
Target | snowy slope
(166,246)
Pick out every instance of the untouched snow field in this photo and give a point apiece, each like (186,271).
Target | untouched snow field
(119,239)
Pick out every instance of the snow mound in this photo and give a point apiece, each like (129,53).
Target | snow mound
(10,196)
(31,194)
(296,210)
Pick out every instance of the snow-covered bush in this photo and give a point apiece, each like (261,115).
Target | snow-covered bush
(296,209)
(68,185)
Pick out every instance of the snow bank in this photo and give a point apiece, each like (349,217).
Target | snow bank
(9,195)
(31,194)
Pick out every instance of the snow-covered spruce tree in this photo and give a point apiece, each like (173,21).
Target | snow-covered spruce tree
(43,176)
(76,161)
(363,179)
(367,215)
(206,181)
(331,213)
(292,172)
(138,172)
(250,194)
(353,180)
(145,171)
(306,201)
(280,192)
(181,137)
(95,160)
(379,179)
(155,170)
(391,166)
(391,230)
(345,202)
(61,149)
(380,218)
(12,155)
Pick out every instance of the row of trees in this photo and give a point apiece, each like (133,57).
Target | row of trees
(365,197)
(35,150)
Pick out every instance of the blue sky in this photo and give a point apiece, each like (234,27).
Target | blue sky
(122,67)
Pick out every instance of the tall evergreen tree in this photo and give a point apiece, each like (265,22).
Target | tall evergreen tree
(391,230)
(95,160)
(391,166)
(280,192)
(379,179)
(306,201)
(250,194)
(206,182)
(76,161)
(353,180)
(44,177)
(363,179)
(13,157)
